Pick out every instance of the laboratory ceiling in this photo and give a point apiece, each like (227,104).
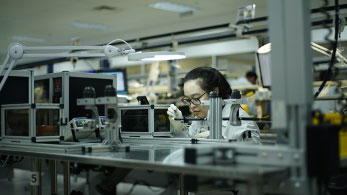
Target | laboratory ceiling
(57,22)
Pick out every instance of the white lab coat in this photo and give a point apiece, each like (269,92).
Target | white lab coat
(228,131)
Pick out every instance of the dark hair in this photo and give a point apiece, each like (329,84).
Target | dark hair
(210,79)
(250,74)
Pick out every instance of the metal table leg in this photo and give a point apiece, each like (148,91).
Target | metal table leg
(36,179)
(66,177)
(181,185)
(86,188)
(53,172)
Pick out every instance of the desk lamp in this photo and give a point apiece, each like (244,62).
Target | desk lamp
(340,58)
(17,51)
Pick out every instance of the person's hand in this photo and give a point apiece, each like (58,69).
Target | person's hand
(174,112)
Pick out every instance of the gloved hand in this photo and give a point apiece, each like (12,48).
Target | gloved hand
(174,112)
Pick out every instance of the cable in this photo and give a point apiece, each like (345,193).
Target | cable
(3,165)
(113,41)
(15,159)
(333,56)
(132,188)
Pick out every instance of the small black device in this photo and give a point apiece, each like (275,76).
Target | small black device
(142,100)
(122,84)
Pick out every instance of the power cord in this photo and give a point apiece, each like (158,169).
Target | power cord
(328,74)
(3,164)
(10,160)
(113,41)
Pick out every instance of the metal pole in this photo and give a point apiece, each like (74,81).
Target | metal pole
(214,61)
(36,179)
(87,186)
(291,59)
(172,75)
(53,172)
(66,177)
(215,111)
(181,185)
(112,116)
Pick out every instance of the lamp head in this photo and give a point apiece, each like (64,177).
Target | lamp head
(156,56)
(265,48)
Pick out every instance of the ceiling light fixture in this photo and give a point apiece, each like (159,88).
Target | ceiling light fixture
(210,32)
(89,26)
(104,8)
(173,7)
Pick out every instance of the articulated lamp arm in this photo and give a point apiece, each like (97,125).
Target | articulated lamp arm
(339,57)
(328,52)
(17,51)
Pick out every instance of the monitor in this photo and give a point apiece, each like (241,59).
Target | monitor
(122,84)
(264,65)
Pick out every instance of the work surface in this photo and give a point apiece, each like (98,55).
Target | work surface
(154,157)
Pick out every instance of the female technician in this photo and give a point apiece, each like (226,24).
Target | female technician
(198,83)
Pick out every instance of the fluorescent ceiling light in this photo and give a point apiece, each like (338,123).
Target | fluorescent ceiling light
(156,56)
(173,7)
(27,39)
(210,32)
(89,26)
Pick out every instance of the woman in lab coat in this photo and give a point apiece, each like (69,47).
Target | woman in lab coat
(197,85)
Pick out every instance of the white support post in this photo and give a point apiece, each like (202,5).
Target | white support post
(291,59)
